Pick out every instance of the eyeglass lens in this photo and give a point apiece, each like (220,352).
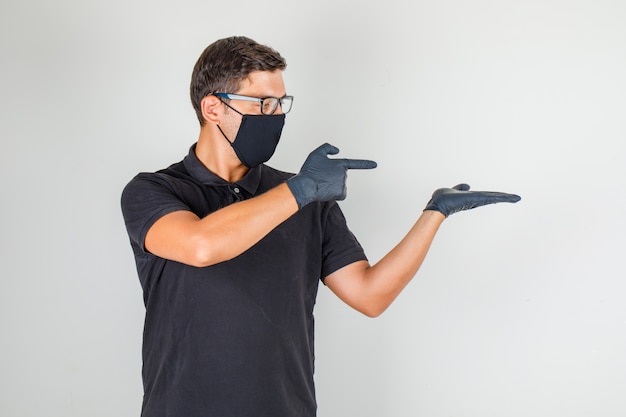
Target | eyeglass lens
(270,104)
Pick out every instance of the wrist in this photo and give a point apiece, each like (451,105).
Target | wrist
(433,207)
(433,214)
(302,189)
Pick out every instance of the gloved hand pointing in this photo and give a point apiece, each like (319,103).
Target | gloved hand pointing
(451,200)
(322,178)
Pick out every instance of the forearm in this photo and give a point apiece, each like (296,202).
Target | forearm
(223,234)
(388,277)
(235,228)
(371,289)
(396,269)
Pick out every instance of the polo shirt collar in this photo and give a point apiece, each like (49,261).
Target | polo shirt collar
(249,182)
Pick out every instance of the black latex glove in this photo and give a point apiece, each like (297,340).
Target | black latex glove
(324,179)
(451,200)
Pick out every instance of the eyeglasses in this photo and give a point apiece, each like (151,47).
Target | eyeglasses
(268,104)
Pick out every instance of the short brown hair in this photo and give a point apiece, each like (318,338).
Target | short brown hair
(225,63)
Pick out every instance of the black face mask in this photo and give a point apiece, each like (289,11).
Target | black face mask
(257,137)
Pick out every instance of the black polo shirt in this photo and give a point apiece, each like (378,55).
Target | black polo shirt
(233,339)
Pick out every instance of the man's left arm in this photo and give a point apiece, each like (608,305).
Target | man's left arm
(371,289)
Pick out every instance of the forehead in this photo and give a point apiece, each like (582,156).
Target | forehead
(263,84)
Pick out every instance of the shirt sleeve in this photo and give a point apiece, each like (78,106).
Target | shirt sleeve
(340,246)
(146,199)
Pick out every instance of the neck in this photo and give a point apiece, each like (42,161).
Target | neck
(218,156)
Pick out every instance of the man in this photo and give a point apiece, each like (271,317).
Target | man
(230,252)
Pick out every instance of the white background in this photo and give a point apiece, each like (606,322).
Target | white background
(519,310)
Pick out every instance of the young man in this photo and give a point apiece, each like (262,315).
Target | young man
(230,252)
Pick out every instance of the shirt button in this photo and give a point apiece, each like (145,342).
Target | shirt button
(236,189)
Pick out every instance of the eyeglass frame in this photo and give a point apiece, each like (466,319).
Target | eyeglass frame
(279,100)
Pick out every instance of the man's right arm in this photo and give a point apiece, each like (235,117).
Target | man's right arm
(222,235)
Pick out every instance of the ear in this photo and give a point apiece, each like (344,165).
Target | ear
(211,107)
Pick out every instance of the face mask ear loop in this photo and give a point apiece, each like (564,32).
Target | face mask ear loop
(231,144)
(230,107)
(223,134)
(218,126)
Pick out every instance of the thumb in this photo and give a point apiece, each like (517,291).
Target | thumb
(326,149)
(461,187)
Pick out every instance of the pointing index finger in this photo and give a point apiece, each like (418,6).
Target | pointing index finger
(359,164)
